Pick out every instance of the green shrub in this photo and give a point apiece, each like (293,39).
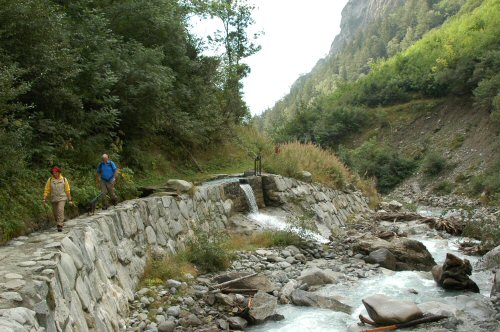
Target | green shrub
(443,188)
(381,162)
(209,251)
(457,141)
(488,231)
(296,157)
(160,268)
(434,164)
(284,238)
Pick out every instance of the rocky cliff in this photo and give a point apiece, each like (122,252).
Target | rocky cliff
(358,14)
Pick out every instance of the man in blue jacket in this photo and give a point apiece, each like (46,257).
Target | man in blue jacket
(107,172)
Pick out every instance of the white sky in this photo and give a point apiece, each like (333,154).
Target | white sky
(297,33)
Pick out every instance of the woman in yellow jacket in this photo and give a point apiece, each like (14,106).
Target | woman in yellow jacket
(57,189)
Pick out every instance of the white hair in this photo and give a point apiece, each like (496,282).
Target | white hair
(105,156)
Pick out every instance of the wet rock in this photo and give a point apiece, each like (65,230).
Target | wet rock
(383,257)
(308,299)
(437,308)
(316,276)
(490,261)
(454,274)
(387,311)
(410,254)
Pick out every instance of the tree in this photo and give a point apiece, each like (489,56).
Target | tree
(236,19)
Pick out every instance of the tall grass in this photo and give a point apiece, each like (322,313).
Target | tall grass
(294,158)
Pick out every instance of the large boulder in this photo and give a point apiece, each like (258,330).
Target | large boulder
(317,277)
(263,307)
(410,254)
(454,274)
(387,311)
(383,257)
(179,185)
(490,261)
(308,299)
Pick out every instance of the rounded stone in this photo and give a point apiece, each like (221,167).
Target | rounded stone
(167,326)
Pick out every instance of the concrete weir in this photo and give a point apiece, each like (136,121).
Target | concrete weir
(83,278)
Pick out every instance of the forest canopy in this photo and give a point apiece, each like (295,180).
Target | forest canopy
(78,78)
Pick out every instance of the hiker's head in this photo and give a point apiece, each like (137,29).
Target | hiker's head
(56,171)
(105,158)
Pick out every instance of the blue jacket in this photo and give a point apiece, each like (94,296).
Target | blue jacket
(107,170)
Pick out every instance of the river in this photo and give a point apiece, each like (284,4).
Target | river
(416,286)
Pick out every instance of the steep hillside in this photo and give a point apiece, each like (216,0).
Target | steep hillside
(431,108)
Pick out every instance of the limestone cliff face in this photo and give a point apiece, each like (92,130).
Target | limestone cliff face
(358,14)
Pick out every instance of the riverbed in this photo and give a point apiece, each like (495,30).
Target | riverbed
(415,286)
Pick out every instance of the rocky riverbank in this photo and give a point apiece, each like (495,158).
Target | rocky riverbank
(305,276)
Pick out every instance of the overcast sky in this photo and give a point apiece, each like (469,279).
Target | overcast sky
(297,33)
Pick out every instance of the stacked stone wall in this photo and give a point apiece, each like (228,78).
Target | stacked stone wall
(83,279)
(332,208)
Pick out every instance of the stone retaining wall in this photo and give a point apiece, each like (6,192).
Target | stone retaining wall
(83,278)
(331,207)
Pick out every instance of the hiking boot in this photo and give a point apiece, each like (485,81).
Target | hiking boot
(105,207)
(59,228)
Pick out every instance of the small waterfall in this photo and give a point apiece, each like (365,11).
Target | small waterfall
(252,203)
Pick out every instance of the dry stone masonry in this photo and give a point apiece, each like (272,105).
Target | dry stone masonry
(83,279)
(332,208)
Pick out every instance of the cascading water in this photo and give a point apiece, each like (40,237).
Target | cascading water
(252,202)
(272,222)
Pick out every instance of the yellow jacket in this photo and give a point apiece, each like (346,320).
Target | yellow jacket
(46,191)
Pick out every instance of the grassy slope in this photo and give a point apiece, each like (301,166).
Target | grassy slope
(450,127)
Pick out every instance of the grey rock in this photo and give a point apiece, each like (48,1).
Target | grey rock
(490,261)
(383,257)
(174,311)
(180,185)
(13,276)
(263,306)
(27,264)
(14,284)
(308,299)
(223,324)
(237,323)
(316,276)
(11,296)
(167,326)
(259,282)
(306,177)
(193,320)
(174,283)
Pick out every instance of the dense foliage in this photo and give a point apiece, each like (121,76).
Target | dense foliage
(79,78)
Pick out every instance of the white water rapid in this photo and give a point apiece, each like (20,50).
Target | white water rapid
(402,285)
